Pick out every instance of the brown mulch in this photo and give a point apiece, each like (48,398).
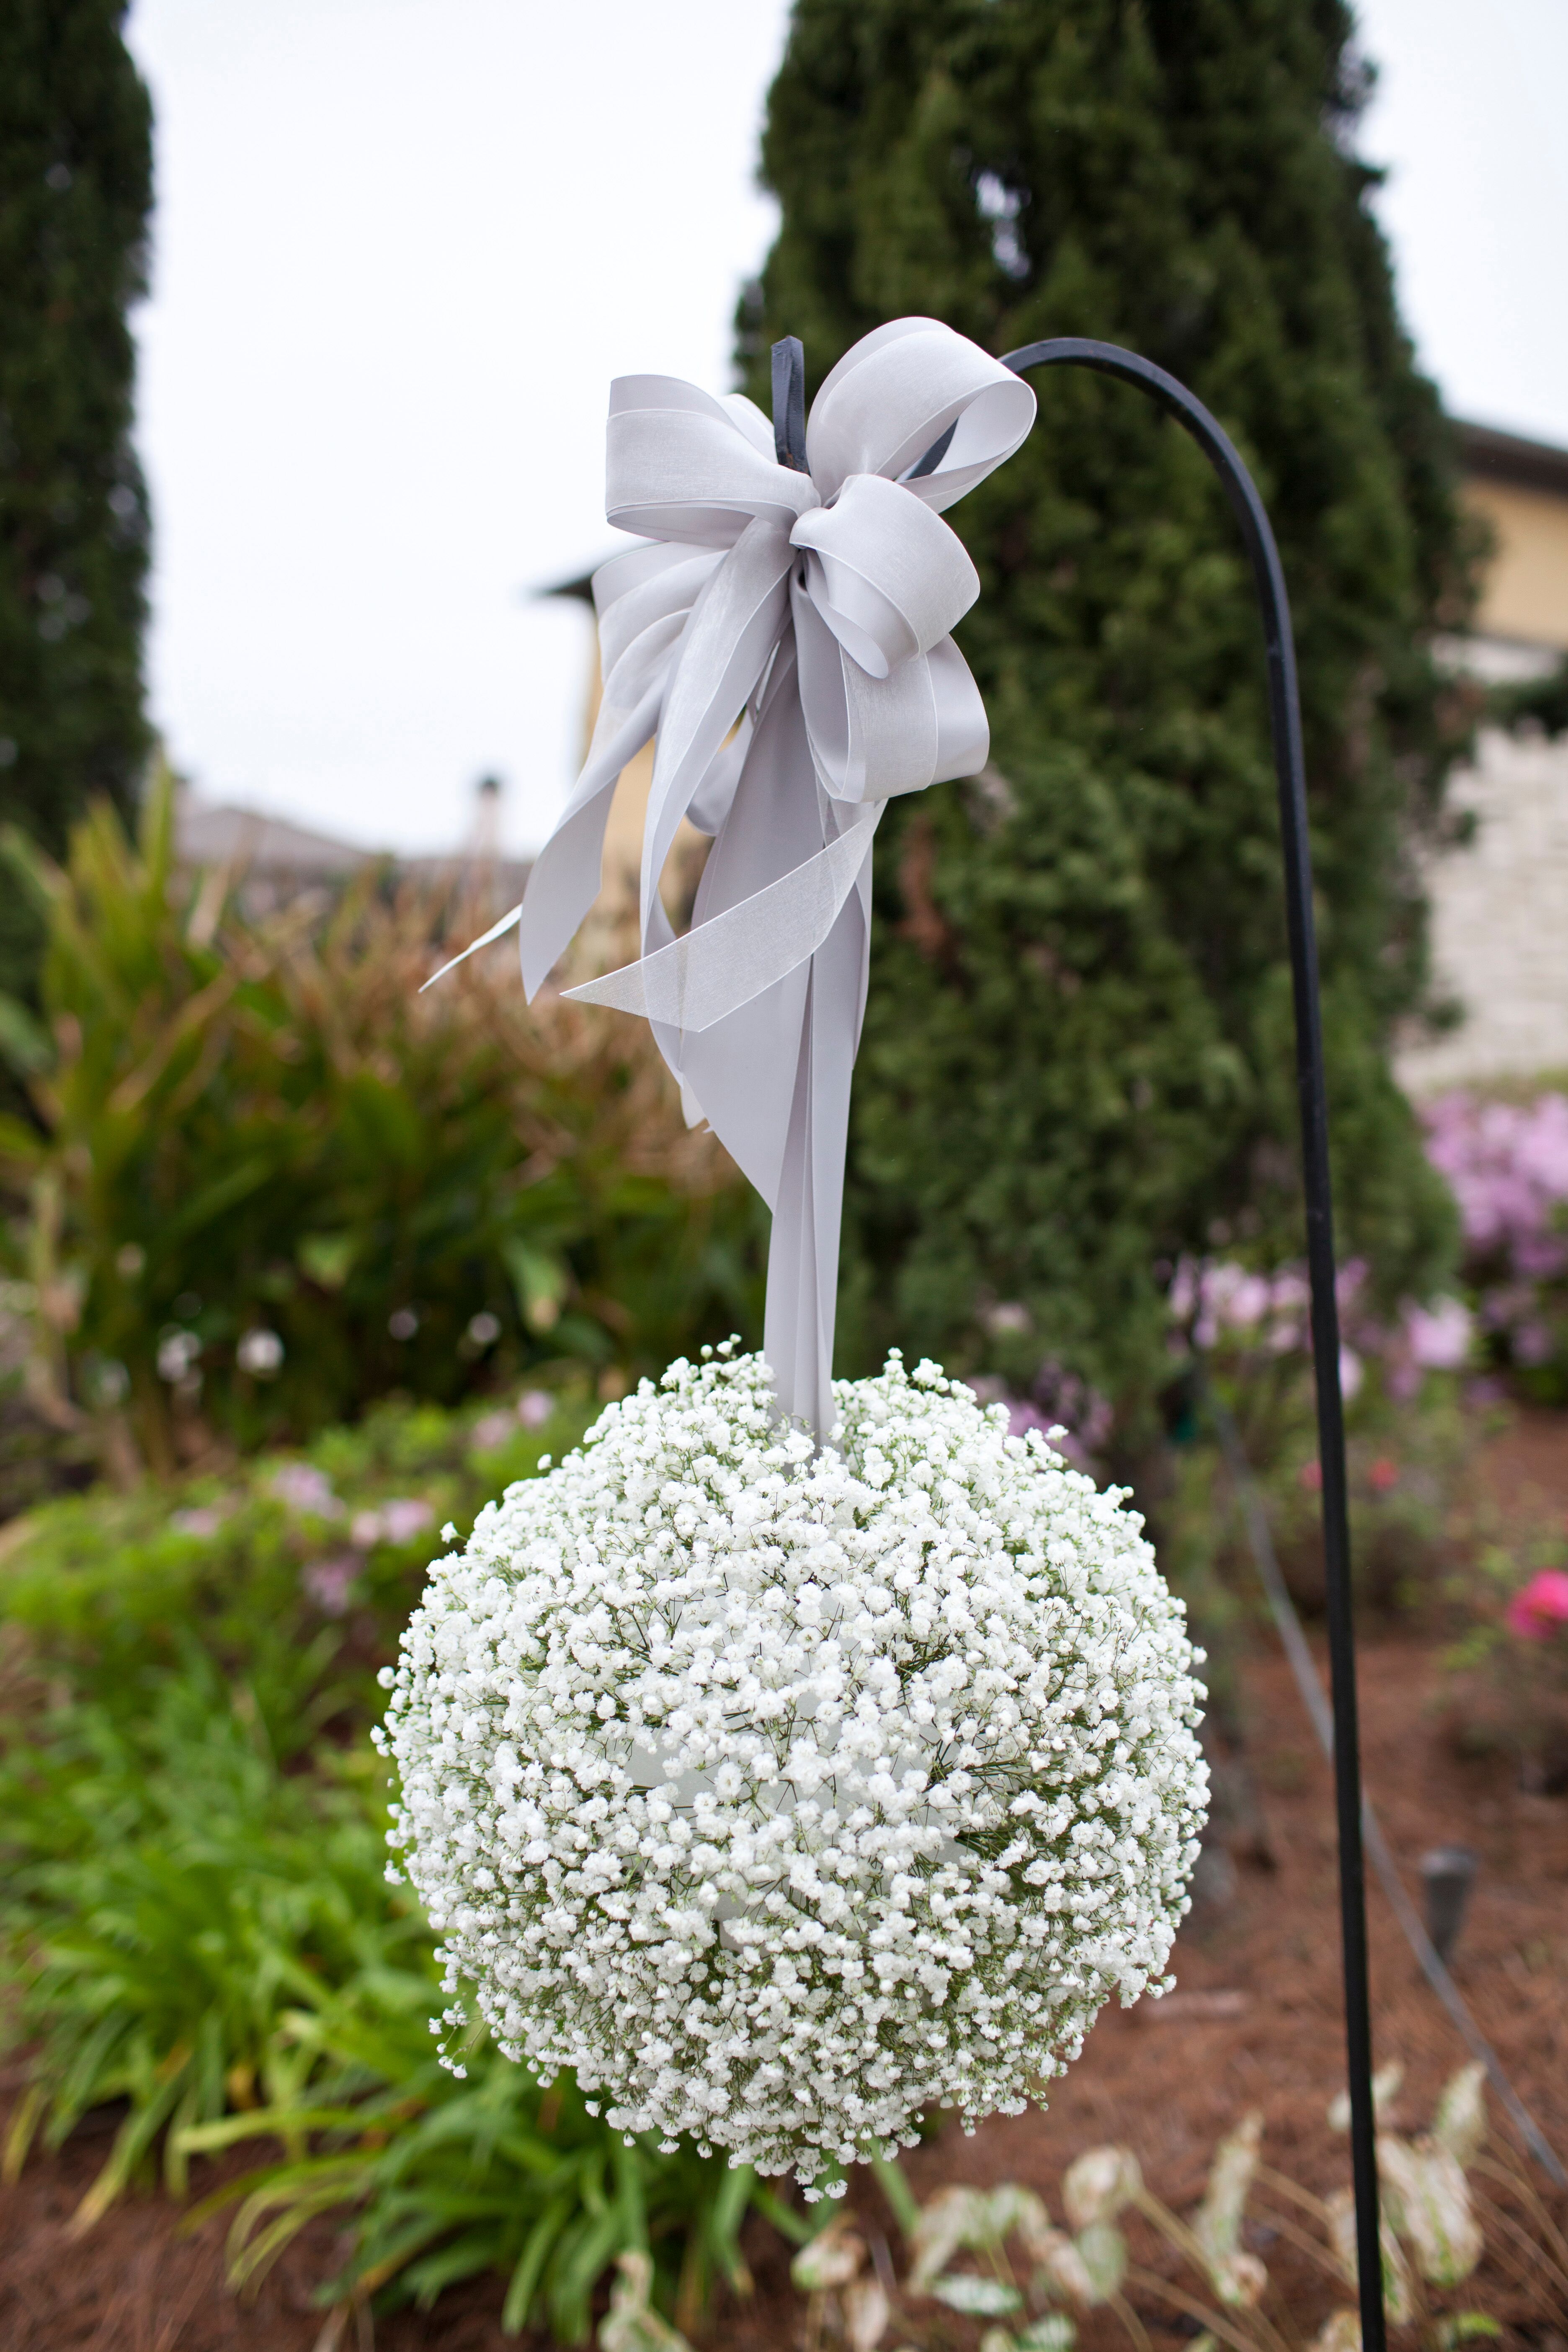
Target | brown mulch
(1255,2023)
(1521,1473)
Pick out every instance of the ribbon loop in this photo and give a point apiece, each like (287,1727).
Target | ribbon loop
(815,609)
(886,574)
(895,394)
(680,465)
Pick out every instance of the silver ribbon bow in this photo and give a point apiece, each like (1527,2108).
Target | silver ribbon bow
(815,606)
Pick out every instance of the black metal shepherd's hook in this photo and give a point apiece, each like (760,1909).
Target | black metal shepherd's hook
(1310,1085)
(1285,721)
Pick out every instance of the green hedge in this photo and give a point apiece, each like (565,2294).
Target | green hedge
(1077,1059)
(271,1181)
(76,190)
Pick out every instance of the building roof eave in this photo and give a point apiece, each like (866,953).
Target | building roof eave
(1488,454)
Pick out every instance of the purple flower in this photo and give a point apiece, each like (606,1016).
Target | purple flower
(1532,1342)
(1439,1335)
(404,1519)
(1347,1281)
(397,1522)
(1238,1298)
(306,1489)
(203,1521)
(329,1582)
(1184,1291)
(1507,1164)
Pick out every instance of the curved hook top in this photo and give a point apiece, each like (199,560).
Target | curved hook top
(1241,491)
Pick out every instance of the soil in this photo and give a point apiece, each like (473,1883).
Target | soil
(1255,2023)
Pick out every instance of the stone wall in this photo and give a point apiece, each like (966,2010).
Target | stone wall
(1499,920)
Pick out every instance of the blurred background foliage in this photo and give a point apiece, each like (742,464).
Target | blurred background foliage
(76,192)
(196,1929)
(269,1181)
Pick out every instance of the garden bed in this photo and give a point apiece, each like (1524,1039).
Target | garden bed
(1255,2021)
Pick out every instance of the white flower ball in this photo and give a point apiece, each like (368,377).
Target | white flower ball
(784,1793)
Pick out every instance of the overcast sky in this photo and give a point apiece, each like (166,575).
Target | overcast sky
(401,247)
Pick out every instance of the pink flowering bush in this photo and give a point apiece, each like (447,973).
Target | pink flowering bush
(1220,1307)
(1509,1690)
(1530,1671)
(1250,1332)
(1507,1164)
(1539,1608)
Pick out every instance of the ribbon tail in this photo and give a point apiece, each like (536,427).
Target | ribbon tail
(568,870)
(723,962)
(803,1252)
(497,932)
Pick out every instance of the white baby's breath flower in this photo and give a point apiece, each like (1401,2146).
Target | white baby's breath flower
(784,1793)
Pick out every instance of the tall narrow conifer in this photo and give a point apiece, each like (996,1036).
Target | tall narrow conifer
(1078,1060)
(76,180)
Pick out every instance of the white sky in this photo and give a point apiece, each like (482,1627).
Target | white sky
(401,247)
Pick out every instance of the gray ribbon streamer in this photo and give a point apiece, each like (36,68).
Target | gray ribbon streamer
(815,608)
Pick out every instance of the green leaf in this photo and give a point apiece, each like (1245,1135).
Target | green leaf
(328,1258)
(796,2228)
(223,1193)
(524,2281)
(1104,2249)
(24,1044)
(1459,2124)
(474,2250)
(976,2298)
(1465,2328)
(1053,2332)
(893,2183)
(540,1279)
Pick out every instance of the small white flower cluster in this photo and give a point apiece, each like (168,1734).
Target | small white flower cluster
(785,1792)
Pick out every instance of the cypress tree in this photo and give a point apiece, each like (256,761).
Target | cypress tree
(76,188)
(1078,1061)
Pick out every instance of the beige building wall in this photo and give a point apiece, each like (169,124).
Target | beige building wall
(1499,920)
(1525,595)
(1499,902)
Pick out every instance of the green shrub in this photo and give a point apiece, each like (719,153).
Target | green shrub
(171,1896)
(75,191)
(213,1942)
(194,1903)
(1077,1059)
(294,1573)
(275,1181)
(449,2174)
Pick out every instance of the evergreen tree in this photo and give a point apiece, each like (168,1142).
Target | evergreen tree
(76,186)
(1078,1060)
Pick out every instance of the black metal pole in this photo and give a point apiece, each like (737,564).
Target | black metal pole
(1285,720)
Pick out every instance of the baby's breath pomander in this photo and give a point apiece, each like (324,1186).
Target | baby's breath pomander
(785,1793)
